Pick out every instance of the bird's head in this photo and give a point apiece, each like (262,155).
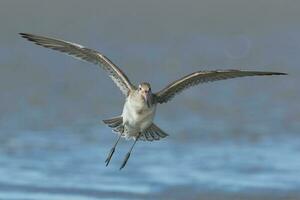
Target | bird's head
(145,91)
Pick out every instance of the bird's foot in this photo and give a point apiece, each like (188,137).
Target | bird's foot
(109,156)
(125,160)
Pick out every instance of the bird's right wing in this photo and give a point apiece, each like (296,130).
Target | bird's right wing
(86,54)
(196,78)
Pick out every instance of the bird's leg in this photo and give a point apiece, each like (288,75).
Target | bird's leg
(112,150)
(128,154)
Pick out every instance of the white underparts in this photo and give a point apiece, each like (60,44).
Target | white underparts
(137,116)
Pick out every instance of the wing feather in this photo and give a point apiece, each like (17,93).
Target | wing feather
(196,78)
(85,54)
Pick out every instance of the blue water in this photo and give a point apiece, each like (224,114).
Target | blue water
(61,164)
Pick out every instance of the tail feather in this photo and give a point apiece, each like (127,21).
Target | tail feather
(153,133)
(159,132)
(119,129)
(145,137)
(114,122)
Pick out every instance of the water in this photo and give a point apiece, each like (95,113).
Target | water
(60,164)
(235,139)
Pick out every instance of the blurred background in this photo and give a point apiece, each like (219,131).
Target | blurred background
(233,139)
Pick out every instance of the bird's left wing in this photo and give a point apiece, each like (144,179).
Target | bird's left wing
(196,78)
(86,54)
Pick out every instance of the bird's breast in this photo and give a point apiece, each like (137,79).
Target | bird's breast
(137,114)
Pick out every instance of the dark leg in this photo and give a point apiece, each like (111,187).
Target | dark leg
(112,151)
(128,154)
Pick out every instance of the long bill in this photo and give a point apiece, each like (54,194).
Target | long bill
(148,99)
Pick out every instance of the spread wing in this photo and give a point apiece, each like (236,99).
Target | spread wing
(86,54)
(196,78)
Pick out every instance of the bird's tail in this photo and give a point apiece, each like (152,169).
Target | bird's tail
(115,123)
(153,132)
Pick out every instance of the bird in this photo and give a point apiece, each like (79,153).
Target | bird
(136,120)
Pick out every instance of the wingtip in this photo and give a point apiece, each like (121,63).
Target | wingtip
(24,35)
(280,73)
(273,73)
(29,37)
